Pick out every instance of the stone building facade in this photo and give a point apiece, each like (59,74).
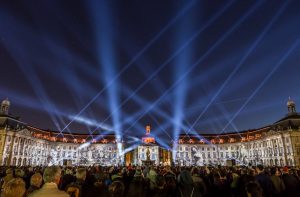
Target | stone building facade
(21,144)
(277,144)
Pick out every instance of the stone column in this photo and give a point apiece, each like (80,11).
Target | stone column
(10,154)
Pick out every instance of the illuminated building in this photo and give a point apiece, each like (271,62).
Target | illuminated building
(21,144)
(157,154)
(277,144)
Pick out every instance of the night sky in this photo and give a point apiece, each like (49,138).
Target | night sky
(180,66)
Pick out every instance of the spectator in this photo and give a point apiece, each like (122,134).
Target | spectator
(116,189)
(14,188)
(35,183)
(292,185)
(186,185)
(9,176)
(67,179)
(253,189)
(51,178)
(198,181)
(277,182)
(78,188)
(264,181)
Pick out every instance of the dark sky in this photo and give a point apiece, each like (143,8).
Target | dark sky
(180,66)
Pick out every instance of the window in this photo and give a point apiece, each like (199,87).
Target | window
(287,140)
(153,157)
(181,155)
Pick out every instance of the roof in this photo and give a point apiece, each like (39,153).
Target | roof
(291,121)
(11,122)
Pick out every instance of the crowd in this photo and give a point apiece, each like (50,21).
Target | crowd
(153,181)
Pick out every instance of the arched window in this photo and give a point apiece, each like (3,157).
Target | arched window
(14,161)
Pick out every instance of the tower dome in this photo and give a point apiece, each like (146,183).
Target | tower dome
(4,106)
(5,102)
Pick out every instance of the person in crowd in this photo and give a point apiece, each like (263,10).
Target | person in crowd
(79,188)
(277,182)
(292,185)
(51,178)
(160,190)
(264,181)
(137,185)
(36,181)
(186,185)
(116,189)
(9,176)
(14,188)
(67,179)
(19,173)
(151,176)
(198,181)
(171,183)
(253,189)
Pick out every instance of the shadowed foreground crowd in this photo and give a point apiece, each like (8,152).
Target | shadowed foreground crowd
(149,181)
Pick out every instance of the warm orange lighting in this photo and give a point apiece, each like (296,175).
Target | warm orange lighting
(250,137)
(148,140)
(257,136)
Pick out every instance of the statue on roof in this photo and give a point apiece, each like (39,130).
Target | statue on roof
(291,106)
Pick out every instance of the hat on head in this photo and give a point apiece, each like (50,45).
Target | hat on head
(285,169)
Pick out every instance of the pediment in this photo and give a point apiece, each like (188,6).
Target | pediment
(25,132)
